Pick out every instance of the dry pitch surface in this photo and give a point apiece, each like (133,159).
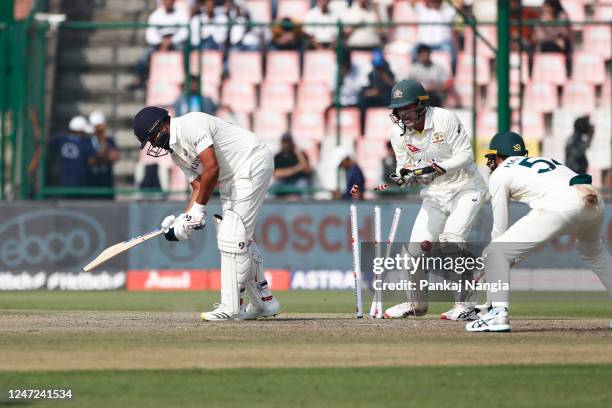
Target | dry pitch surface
(42,340)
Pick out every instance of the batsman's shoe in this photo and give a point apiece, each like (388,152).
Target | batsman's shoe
(405,309)
(460,312)
(219,314)
(271,308)
(496,320)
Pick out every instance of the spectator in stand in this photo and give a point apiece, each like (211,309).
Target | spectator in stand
(70,153)
(321,36)
(288,35)
(555,38)
(577,145)
(244,36)
(209,28)
(104,154)
(162,38)
(380,82)
(353,175)
(194,101)
(365,35)
(291,168)
(351,82)
(434,78)
(437,37)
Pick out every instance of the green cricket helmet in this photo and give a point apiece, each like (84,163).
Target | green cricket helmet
(506,144)
(408,92)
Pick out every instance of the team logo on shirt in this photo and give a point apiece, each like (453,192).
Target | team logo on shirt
(412,148)
(437,138)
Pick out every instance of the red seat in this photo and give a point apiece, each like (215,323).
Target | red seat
(596,40)
(549,67)
(308,124)
(313,96)
(492,97)
(210,67)
(259,10)
(349,122)
(378,124)
(283,66)
(487,32)
(579,96)
(533,125)
(277,96)
(162,93)
(245,66)
(442,58)
(589,67)
(296,9)
(319,66)
(541,97)
(167,66)
(269,124)
(239,96)
(464,69)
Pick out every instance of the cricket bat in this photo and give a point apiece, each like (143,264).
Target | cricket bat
(119,248)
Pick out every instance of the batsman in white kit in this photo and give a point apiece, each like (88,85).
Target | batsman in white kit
(210,150)
(562,203)
(433,148)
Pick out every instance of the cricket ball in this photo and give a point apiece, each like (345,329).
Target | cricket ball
(425,246)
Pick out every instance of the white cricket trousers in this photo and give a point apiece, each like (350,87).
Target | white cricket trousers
(583,220)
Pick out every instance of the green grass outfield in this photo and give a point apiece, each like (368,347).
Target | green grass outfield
(537,385)
(547,305)
(495,386)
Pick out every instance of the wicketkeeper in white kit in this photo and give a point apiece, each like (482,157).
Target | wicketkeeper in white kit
(562,203)
(434,141)
(210,150)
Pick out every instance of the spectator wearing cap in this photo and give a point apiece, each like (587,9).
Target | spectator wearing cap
(380,82)
(321,36)
(105,153)
(292,169)
(288,35)
(352,174)
(70,153)
(434,78)
(577,145)
(438,35)
(162,35)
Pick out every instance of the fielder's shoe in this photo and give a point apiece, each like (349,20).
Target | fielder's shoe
(271,308)
(460,312)
(405,309)
(219,314)
(496,320)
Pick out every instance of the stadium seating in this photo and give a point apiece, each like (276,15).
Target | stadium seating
(540,97)
(210,89)
(533,123)
(575,11)
(403,12)
(596,40)
(589,67)
(313,96)
(162,93)
(269,124)
(550,68)
(464,69)
(308,124)
(319,66)
(442,58)
(378,124)
(166,66)
(579,96)
(295,9)
(259,10)
(370,153)
(489,33)
(245,66)
(278,96)
(349,122)
(239,95)
(210,65)
(399,62)
(283,66)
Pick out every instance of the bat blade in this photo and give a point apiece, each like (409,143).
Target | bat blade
(119,248)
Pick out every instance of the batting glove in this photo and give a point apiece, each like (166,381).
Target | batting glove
(167,223)
(182,227)
(196,216)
